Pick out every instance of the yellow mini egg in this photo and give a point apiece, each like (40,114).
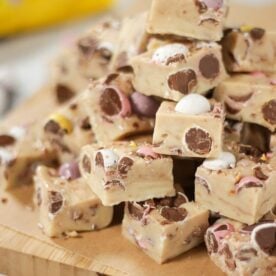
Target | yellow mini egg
(63,122)
(246,28)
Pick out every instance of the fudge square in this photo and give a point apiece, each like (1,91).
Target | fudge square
(165,228)
(115,109)
(84,59)
(250,98)
(125,171)
(20,153)
(239,249)
(192,128)
(66,203)
(248,191)
(132,41)
(249,49)
(173,70)
(67,129)
(198,19)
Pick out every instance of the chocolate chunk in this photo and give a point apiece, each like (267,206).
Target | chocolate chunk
(63,93)
(201,6)
(257,33)
(256,136)
(209,20)
(135,211)
(173,214)
(105,53)
(183,81)
(38,196)
(212,244)
(246,254)
(88,45)
(242,99)
(266,239)
(250,151)
(198,141)
(226,251)
(175,58)
(165,202)
(55,201)
(259,174)
(250,184)
(179,200)
(110,102)
(85,124)
(269,112)
(203,182)
(6,140)
(111,77)
(230,263)
(52,127)
(250,228)
(114,184)
(222,227)
(86,164)
(209,66)
(125,165)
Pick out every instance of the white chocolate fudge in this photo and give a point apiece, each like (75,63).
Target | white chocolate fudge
(199,19)
(248,191)
(250,98)
(84,59)
(68,129)
(189,135)
(165,228)
(125,171)
(249,49)
(20,153)
(132,41)
(176,69)
(116,110)
(239,249)
(68,205)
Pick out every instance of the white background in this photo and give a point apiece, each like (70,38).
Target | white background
(27,57)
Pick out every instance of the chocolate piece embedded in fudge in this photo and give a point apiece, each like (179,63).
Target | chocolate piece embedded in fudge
(125,171)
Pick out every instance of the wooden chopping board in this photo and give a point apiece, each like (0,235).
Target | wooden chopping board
(25,251)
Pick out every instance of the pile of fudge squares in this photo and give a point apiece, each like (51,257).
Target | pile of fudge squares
(172,114)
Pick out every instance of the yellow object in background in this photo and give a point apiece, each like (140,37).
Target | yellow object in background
(20,15)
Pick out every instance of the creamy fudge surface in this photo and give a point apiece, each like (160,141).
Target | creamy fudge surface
(66,202)
(188,135)
(165,228)
(84,59)
(248,191)
(126,171)
(116,111)
(197,19)
(67,129)
(132,41)
(250,98)
(20,153)
(175,69)
(249,49)
(239,249)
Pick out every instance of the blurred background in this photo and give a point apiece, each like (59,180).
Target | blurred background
(30,39)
